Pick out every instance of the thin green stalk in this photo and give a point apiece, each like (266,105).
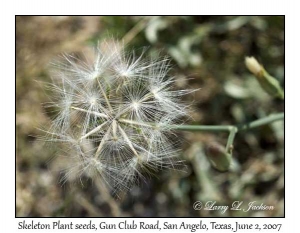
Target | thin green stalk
(262,121)
(135,30)
(231,139)
(228,128)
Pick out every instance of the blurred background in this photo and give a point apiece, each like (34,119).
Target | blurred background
(207,52)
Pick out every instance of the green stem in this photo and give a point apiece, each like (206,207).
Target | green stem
(262,121)
(230,140)
(229,128)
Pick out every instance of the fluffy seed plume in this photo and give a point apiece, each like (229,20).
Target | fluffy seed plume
(113,115)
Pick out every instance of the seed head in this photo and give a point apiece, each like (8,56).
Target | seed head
(114,114)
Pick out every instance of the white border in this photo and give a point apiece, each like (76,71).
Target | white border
(211,7)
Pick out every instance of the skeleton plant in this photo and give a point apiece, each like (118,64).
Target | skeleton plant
(118,116)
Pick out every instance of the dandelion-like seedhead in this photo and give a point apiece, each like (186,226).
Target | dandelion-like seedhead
(114,115)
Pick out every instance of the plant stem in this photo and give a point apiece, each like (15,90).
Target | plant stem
(262,121)
(231,139)
(135,30)
(229,128)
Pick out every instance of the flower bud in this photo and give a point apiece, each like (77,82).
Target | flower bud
(218,157)
(253,65)
(266,81)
